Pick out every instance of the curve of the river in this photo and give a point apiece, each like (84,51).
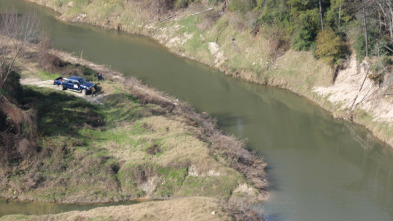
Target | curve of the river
(319,168)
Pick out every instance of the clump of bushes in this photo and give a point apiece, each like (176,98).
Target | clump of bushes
(329,47)
(375,48)
(242,6)
(378,69)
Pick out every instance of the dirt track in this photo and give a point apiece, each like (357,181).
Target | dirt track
(97,99)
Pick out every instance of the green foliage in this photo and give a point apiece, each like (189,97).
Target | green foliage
(375,48)
(88,71)
(273,12)
(376,39)
(303,39)
(385,61)
(305,20)
(11,88)
(379,48)
(174,178)
(242,6)
(360,47)
(378,69)
(337,9)
(329,47)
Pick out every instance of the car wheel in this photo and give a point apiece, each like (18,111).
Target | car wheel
(84,92)
(60,87)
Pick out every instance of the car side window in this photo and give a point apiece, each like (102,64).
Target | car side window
(76,84)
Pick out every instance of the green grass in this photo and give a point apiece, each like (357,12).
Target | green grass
(174,178)
(44,75)
(104,152)
(209,186)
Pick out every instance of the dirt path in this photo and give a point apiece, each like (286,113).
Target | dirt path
(97,99)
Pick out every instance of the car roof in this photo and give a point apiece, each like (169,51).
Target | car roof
(76,78)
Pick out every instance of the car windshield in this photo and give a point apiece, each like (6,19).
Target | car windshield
(82,81)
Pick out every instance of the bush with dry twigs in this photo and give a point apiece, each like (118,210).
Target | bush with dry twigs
(17,128)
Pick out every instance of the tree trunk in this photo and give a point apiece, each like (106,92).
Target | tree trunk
(339,15)
(320,12)
(365,27)
(390,17)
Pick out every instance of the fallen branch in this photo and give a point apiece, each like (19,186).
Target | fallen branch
(385,46)
(197,13)
(366,96)
(360,89)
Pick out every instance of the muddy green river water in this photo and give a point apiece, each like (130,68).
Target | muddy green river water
(319,168)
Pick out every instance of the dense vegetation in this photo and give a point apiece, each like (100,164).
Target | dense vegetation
(329,28)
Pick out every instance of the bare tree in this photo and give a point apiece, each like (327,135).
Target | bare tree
(386,15)
(15,32)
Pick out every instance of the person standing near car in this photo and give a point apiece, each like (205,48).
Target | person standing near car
(93,91)
(99,77)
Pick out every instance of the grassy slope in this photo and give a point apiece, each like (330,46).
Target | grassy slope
(122,150)
(136,145)
(242,54)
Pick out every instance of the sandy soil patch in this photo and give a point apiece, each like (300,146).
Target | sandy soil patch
(346,89)
(214,49)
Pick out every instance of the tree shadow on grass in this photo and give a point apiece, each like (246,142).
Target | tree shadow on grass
(62,114)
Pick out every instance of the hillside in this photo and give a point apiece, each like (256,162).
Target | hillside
(128,142)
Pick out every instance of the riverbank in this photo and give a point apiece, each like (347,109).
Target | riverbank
(194,208)
(128,142)
(223,41)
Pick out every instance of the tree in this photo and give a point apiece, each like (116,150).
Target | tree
(321,14)
(365,26)
(304,18)
(337,13)
(15,32)
(329,47)
(385,8)
(17,125)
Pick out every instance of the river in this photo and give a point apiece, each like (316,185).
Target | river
(319,168)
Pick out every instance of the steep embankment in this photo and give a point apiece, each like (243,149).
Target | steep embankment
(129,142)
(230,42)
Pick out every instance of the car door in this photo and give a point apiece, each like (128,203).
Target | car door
(70,84)
(76,85)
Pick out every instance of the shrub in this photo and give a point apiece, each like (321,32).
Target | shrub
(182,3)
(303,39)
(378,70)
(242,5)
(375,48)
(329,47)
(278,44)
(360,47)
